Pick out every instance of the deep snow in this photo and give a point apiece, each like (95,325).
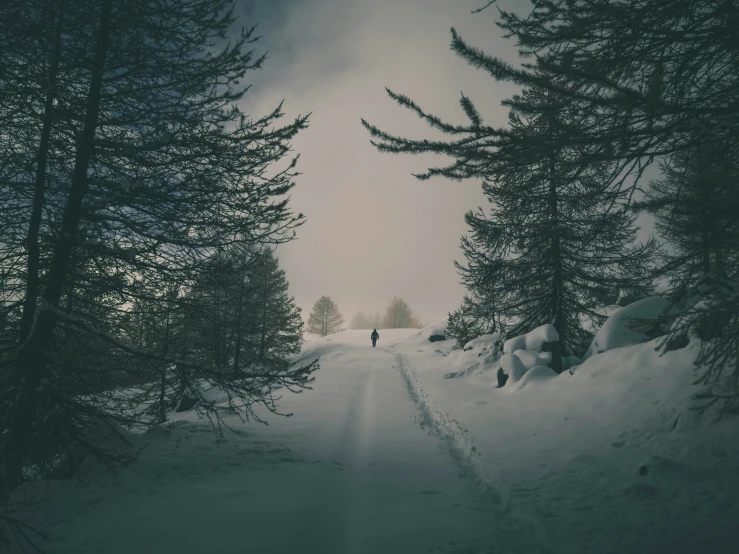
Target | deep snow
(411,447)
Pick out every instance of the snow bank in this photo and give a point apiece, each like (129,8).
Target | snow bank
(513,367)
(532,358)
(435,329)
(629,325)
(479,356)
(518,364)
(483,342)
(533,340)
(438,328)
(570,362)
(535,375)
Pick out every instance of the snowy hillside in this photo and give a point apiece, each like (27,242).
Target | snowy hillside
(411,447)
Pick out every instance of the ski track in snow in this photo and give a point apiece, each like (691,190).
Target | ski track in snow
(455,438)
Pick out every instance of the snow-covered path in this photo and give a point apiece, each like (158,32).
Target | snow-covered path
(353,471)
(393,452)
(391,486)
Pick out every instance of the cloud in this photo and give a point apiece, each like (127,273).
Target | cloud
(373,230)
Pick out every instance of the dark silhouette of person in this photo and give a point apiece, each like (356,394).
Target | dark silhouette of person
(374,336)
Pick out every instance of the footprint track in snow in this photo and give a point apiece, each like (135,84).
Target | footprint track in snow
(457,441)
(453,436)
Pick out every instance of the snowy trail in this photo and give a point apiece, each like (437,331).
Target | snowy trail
(350,473)
(456,439)
(399,489)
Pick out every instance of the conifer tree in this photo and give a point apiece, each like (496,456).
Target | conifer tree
(400,316)
(277,321)
(325,318)
(130,168)
(661,78)
(557,232)
(696,207)
(474,318)
(656,78)
(659,74)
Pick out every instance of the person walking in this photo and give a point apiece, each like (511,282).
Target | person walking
(374,336)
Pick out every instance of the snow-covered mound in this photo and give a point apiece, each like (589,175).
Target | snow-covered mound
(536,374)
(533,340)
(482,342)
(532,358)
(479,356)
(436,329)
(513,367)
(630,325)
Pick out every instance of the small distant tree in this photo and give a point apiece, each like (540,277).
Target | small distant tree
(400,316)
(325,319)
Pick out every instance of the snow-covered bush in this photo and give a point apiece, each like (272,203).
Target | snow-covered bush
(532,358)
(533,340)
(536,374)
(487,341)
(513,367)
(636,323)
(436,333)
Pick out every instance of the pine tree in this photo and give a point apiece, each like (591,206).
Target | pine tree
(400,316)
(654,72)
(696,202)
(278,321)
(557,233)
(696,207)
(325,319)
(676,87)
(474,318)
(131,167)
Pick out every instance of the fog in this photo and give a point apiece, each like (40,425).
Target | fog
(373,231)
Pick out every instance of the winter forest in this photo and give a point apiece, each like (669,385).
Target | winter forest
(235,314)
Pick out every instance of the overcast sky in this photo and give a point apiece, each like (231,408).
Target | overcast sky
(373,230)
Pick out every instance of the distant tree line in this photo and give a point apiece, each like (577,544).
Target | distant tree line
(326,319)
(607,89)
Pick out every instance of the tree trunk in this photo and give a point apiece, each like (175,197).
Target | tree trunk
(239,315)
(706,246)
(32,245)
(163,387)
(264,314)
(31,360)
(217,327)
(557,276)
